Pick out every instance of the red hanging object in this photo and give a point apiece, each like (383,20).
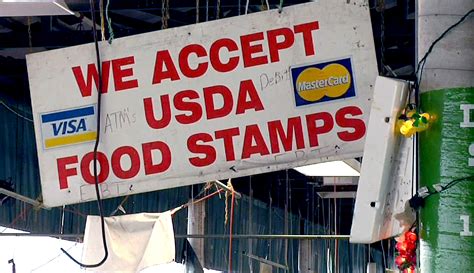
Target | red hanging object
(406,252)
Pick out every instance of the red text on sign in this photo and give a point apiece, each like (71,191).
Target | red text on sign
(190,109)
(67,166)
(275,138)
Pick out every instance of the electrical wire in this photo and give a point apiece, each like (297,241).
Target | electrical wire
(102,20)
(15,112)
(421,63)
(96,145)
(22,214)
(450,185)
(418,200)
(52,259)
(456,181)
(109,23)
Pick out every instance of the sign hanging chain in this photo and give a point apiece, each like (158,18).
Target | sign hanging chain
(165,15)
(30,42)
(197,11)
(109,23)
(218,9)
(280,7)
(102,21)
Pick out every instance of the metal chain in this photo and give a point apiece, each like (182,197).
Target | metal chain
(382,37)
(102,21)
(165,13)
(30,42)
(197,11)
(218,11)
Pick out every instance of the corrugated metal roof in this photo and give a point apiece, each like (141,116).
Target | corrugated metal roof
(353,258)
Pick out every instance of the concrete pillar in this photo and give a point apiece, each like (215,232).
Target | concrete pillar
(447,147)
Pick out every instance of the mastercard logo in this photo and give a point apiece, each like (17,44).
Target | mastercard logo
(323,82)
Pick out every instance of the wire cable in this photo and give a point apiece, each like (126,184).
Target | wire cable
(430,49)
(109,23)
(417,200)
(280,7)
(456,181)
(52,259)
(102,20)
(96,145)
(15,112)
(421,63)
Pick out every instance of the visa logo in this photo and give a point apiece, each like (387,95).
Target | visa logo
(67,127)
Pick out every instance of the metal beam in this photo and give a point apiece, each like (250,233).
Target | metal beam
(223,186)
(22,198)
(265,261)
(207,236)
(45,39)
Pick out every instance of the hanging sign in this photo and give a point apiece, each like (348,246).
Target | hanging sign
(227,98)
(385,185)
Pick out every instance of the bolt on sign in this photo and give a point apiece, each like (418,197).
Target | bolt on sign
(233,97)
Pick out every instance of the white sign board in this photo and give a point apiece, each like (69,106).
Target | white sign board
(385,183)
(227,98)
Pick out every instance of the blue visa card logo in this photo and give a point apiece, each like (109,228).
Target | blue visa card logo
(321,82)
(68,127)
